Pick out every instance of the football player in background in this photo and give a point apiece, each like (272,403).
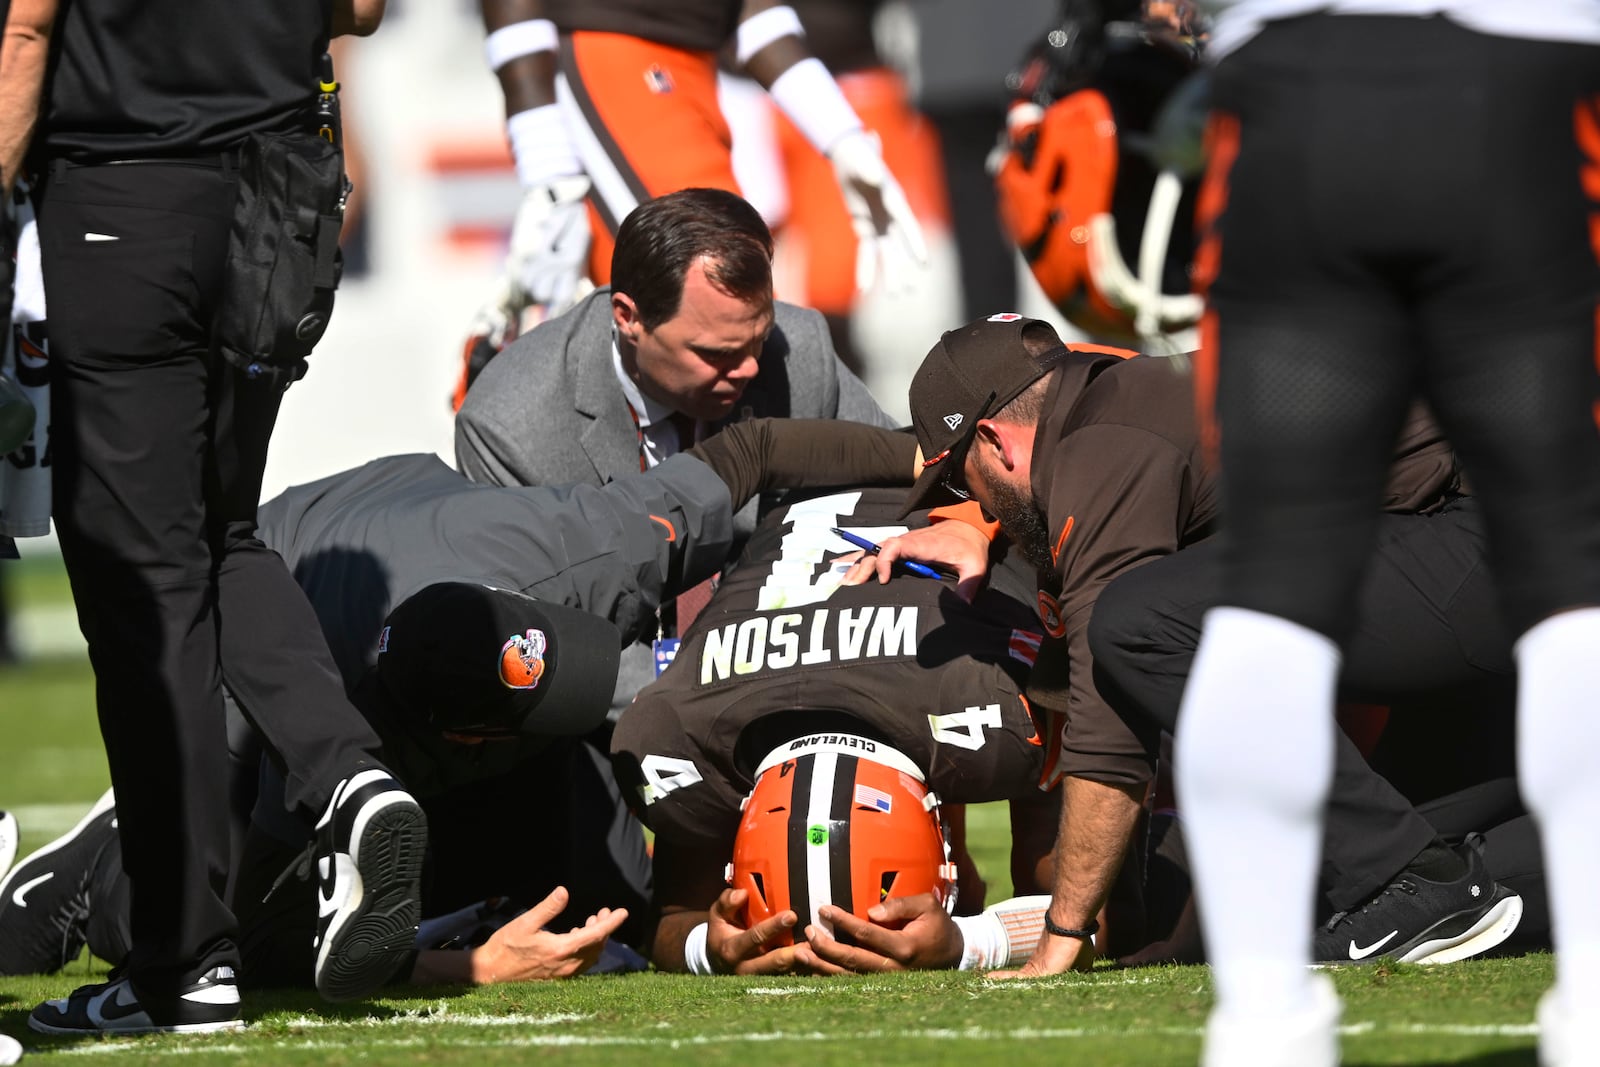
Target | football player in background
(613,102)
(1098,169)
(812,223)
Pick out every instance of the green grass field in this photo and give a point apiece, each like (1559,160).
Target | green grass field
(51,768)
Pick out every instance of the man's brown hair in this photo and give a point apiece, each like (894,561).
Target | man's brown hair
(661,238)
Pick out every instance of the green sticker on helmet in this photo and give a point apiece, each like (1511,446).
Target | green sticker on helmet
(817,835)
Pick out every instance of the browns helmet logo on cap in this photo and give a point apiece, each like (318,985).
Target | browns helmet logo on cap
(522,660)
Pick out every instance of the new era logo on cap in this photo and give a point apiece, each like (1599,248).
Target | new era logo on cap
(972,373)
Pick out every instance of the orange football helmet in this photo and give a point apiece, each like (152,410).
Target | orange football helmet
(1092,188)
(838,819)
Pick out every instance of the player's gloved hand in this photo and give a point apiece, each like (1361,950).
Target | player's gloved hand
(733,949)
(494,325)
(550,243)
(524,951)
(904,934)
(890,239)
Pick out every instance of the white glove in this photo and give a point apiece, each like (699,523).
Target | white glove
(499,322)
(550,244)
(890,238)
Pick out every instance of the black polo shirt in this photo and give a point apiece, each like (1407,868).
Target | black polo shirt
(141,78)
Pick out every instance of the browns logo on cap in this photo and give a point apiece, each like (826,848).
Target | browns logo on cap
(522,660)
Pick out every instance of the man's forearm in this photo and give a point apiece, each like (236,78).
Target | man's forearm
(1097,821)
(440,966)
(24,54)
(761,454)
(671,932)
(358,17)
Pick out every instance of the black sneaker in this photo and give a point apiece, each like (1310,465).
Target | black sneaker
(369,850)
(209,1003)
(1415,920)
(44,900)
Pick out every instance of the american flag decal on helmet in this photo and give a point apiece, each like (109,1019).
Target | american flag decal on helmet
(877,799)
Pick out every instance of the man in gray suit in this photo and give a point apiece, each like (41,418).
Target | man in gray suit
(686,340)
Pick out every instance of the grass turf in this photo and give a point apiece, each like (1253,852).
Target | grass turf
(51,768)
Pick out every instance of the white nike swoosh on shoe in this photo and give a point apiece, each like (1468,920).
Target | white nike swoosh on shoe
(27,887)
(1363,953)
(117,1002)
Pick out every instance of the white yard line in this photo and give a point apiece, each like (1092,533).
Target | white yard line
(365,1041)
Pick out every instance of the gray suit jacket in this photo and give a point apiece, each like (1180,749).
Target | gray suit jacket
(549,409)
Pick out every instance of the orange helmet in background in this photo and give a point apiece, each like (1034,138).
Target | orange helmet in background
(1091,186)
(838,819)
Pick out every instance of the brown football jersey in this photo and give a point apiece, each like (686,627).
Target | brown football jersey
(783,651)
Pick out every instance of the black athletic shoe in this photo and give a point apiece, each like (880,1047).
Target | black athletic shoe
(209,1003)
(44,900)
(1415,920)
(369,850)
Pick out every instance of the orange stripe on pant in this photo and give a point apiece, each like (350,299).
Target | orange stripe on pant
(1586,130)
(817,216)
(654,108)
(1222,148)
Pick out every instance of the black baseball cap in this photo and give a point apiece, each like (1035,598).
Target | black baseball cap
(473,659)
(971,373)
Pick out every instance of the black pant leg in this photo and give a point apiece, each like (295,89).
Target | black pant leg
(1511,848)
(131,431)
(275,660)
(1143,634)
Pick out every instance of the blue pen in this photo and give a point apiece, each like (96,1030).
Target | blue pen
(867,546)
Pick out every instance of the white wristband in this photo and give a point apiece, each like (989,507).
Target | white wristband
(807,93)
(517,40)
(540,145)
(760,30)
(1005,935)
(982,940)
(694,951)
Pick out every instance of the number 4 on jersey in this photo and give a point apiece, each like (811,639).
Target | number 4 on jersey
(964,729)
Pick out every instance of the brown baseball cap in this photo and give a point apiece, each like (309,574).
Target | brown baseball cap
(472,659)
(971,373)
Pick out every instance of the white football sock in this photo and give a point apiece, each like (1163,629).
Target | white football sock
(1558,734)
(1253,761)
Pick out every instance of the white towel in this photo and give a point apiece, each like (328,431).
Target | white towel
(25,474)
